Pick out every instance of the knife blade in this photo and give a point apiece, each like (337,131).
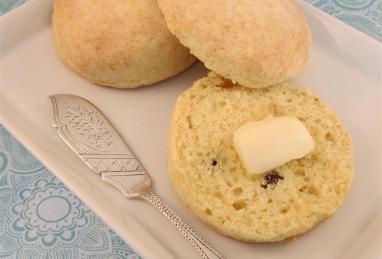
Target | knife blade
(95,141)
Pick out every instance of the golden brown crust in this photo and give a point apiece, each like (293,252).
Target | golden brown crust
(119,43)
(255,43)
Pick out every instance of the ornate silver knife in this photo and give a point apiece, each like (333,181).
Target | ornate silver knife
(92,137)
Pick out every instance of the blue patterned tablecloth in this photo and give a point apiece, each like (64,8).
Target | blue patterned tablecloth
(41,218)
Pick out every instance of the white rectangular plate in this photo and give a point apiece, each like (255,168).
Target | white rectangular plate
(344,69)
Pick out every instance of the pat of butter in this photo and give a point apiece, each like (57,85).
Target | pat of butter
(269,143)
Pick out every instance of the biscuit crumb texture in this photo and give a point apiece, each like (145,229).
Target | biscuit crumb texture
(209,177)
(119,43)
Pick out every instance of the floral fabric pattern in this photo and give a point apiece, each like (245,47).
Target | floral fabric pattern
(364,15)
(41,218)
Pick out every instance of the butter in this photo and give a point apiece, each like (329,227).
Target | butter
(269,143)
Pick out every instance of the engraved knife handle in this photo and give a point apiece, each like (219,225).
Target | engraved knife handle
(205,250)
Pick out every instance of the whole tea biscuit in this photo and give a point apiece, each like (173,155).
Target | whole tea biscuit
(119,43)
(255,43)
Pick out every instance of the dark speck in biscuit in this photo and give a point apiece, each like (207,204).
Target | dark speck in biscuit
(271,179)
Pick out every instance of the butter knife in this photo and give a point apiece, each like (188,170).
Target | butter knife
(92,137)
